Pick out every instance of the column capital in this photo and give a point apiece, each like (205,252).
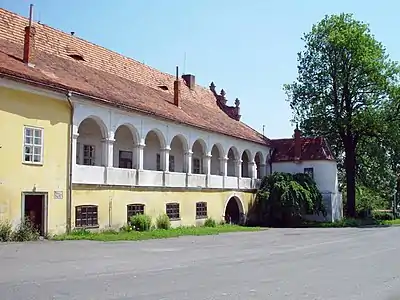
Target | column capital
(108,140)
(223,158)
(75,135)
(238,161)
(139,146)
(166,149)
(189,153)
(207,155)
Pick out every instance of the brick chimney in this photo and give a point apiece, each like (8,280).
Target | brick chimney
(177,84)
(29,41)
(190,80)
(297,143)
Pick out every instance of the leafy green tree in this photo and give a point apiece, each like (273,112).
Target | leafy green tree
(345,79)
(283,199)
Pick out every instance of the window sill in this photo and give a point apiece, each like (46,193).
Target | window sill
(174,219)
(201,217)
(39,164)
(87,227)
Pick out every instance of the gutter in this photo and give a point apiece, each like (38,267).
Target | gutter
(69,163)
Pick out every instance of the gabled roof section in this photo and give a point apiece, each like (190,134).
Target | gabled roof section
(311,149)
(65,61)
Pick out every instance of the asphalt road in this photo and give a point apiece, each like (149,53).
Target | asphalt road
(285,264)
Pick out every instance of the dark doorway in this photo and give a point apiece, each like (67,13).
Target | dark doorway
(232,211)
(34,211)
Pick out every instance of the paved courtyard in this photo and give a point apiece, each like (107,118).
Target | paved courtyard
(275,264)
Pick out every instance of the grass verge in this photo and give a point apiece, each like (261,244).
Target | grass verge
(352,223)
(110,235)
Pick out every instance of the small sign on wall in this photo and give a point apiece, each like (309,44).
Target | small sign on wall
(58,195)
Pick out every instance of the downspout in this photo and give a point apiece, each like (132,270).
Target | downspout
(69,162)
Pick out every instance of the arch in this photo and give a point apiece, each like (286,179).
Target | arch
(179,147)
(246,156)
(259,159)
(89,149)
(199,150)
(233,157)
(99,122)
(217,152)
(134,131)
(160,135)
(126,137)
(152,152)
(234,210)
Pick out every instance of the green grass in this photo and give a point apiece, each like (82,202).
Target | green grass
(352,223)
(109,235)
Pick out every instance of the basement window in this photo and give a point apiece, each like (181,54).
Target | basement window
(172,210)
(133,210)
(86,216)
(201,210)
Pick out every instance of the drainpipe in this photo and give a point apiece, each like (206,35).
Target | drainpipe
(69,162)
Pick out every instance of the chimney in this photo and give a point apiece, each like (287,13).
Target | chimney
(177,89)
(297,143)
(29,41)
(190,80)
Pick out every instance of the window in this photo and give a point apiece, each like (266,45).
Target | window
(196,166)
(158,162)
(33,145)
(134,209)
(172,210)
(78,153)
(201,210)
(88,155)
(86,216)
(171,163)
(125,159)
(309,171)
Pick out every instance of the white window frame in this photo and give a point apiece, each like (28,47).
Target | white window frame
(33,145)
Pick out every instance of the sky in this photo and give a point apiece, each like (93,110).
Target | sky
(248,48)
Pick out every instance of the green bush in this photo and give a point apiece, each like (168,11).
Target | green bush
(25,232)
(210,223)
(80,231)
(5,231)
(126,228)
(140,222)
(163,222)
(382,215)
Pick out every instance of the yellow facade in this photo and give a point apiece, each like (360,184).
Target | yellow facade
(19,179)
(112,203)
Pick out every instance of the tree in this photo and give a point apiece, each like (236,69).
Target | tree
(283,199)
(344,81)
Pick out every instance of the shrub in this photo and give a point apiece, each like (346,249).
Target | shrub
(5,231)
(126,228)
(25,232)
(140,222)
(163,222)
(80,231)
(382,215)
(210,223)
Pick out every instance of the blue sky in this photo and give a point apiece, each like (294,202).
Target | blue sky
(248,48)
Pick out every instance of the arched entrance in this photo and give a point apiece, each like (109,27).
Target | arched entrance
(234,213)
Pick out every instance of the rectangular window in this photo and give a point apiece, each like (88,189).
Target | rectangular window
(86,216)
(88,155)
(171,163)
(310,172)
(201,210)
(196,166)
(158,162)
(172,211)
(33,145)
(125,159)
(134,209)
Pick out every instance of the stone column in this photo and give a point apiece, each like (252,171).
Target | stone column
(138,153)
(188,162)
(207,163)
(165,159)
(75,150)
(263,170)
(108,152)
(253,169)
(224,166)
(238,171)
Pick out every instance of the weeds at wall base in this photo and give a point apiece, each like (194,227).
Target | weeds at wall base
(24,232)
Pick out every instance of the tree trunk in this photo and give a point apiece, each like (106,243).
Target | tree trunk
(350,166)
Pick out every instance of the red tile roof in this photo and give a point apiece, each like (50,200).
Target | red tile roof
(311,149)
(110,78)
